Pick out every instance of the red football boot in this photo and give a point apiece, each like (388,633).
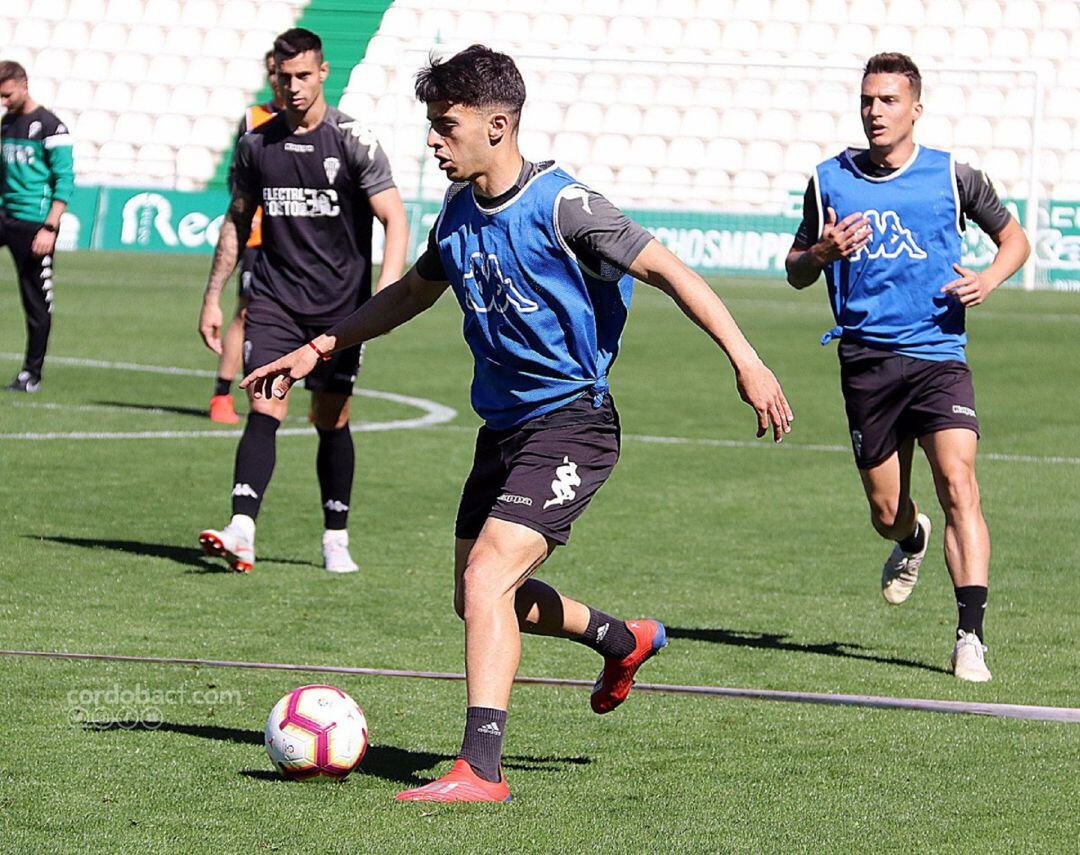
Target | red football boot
(460,784)
(614,682)
(223,411)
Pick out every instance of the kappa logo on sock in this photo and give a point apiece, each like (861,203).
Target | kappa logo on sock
(336,506)
(602,631)
(244,490)
(491,729)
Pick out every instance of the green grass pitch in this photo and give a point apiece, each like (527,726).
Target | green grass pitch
(760,560)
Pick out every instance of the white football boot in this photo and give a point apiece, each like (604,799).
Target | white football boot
(235,543)
(901,570)
(335,552)
(968,658)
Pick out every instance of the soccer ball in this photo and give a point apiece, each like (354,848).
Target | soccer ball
(316,731)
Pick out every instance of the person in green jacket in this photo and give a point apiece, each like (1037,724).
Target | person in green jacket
(36,181)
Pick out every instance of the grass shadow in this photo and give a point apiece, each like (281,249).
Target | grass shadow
(779,641)
(189,556)
(201,412)
(387,762)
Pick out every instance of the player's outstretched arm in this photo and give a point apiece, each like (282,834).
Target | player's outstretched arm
(657,266)
(838,240)
(235,229)
(973,286)
(389,308)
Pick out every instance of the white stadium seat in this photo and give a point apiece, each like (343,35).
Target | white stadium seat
(972,131)
(739,35)
(86,10)
(49,10)
(686,152)
(610,149)
(108,37)
(95,126)
(622,119)
(943,13)
(33,33)
(146,39)
(124,11)
(1022,14)
(701,122)
(646,150)
(725,153)
(164,13)
(1062,15)
(985,14)
(661,119)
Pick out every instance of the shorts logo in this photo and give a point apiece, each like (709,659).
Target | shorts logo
(335,506)
(856,442)
(487,289)
(247,351)
(566,478)
(963,411)
(511,499)
(890,238)
(331,165)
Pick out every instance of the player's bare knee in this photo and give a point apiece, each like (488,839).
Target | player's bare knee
(959,492)
(884,514)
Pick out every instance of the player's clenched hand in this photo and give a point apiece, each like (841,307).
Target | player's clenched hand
(275,380)
(761,390)
(970,289)
(210,321)
(43,244)
(843,239)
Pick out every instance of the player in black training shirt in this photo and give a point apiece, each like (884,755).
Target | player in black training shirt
(320,177)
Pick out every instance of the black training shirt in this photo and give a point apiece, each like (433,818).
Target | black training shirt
(314,189)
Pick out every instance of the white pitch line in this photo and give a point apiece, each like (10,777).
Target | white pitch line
(1021,711)
(436,416)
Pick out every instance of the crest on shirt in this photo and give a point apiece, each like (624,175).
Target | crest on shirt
(35,130)
(331,165)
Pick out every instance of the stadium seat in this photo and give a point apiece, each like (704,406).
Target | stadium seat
(115,96)
(1049,44)
(74,94)
(763,156)
(686,153)
(622,119)
(700,122)
(666,33)
(932,41)
(598,176)
(86,10)
(935,129)
(47,10)
(724,153)
(676,91)
(95,125)
(124,11)
(973,131)
(195,163)
(647,151)
(90,65)
(1012,133)
(986,101)
(1061,15)
(739,35)
(33,33)
(56,62)
(661,119)
(610,149)
(777,125)
(702,34)
(1010,44)
(164,13)
(166,69)
(570,147)
(129,67)
(134,128)
(149,97)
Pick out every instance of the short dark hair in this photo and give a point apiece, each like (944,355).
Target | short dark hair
(896,63)
(11,70)
(295,42)
(476,77)
(269,55)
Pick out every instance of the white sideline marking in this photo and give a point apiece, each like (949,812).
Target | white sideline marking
(1023,711)
(436,415)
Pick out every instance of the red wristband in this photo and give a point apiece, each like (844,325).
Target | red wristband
(323,356)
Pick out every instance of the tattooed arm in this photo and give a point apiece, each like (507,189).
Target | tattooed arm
(235,229)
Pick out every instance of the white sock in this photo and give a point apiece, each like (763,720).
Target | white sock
(339,536)
(245,524)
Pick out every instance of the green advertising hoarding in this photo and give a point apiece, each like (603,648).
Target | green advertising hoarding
(713,243)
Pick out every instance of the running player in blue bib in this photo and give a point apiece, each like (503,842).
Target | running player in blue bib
(542,268)
(886,226)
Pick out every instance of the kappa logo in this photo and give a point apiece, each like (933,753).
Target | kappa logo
(566,478)
(35,130)
(890,238)
(963,411)
(856,442)
(512,499)
(488,289)
(244,490)
(363,133)
(331,165)
(579,193)
(336,506)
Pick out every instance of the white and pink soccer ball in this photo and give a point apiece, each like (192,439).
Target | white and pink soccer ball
(316,731)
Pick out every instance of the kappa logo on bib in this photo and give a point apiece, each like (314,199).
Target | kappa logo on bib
(890,238)
(487,289)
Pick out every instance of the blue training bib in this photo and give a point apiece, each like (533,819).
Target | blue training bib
(542,328)
(889,295)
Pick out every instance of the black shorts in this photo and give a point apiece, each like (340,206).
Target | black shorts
(890,398)
(271,331)
(543,473)
(247,264)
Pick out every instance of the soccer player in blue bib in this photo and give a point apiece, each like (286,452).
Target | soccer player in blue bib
(886,226)
(542,268)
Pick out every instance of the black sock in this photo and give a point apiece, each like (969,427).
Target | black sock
(608,636)
(971,605)
(913,542)
(255,456)
(482,745)
(335,463)
(222,386)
